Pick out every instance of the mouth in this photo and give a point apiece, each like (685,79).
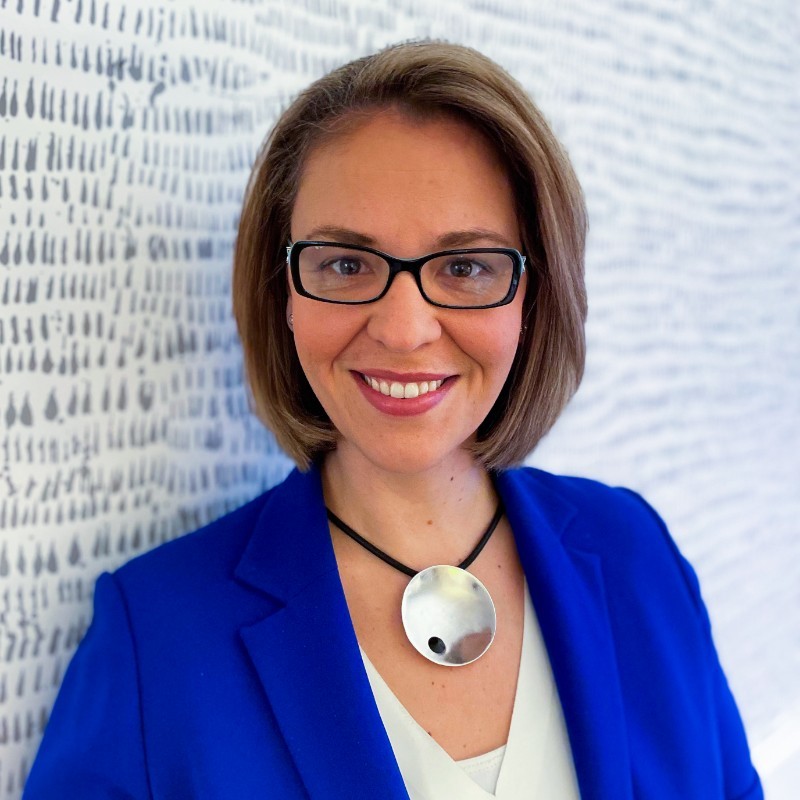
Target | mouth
(402,390)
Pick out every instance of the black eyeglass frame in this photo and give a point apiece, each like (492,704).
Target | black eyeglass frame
(398,265)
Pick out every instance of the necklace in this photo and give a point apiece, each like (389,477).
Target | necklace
(448,614)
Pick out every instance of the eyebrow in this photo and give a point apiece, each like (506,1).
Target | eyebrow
(453,239)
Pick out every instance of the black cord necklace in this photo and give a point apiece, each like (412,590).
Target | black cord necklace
(448,614)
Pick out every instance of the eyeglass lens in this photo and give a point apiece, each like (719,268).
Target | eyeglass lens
(332,272)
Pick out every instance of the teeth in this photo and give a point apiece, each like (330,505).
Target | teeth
(401,390)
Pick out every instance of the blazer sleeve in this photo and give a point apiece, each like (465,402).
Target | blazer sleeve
(741,779)
(93,745)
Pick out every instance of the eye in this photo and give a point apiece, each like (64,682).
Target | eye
(463,267)
(344,265)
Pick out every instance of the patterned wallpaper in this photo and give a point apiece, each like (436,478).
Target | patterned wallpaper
(126,133)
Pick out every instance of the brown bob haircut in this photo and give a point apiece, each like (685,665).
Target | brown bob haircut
(422,79)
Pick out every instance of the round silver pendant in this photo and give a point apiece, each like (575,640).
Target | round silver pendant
(448,615)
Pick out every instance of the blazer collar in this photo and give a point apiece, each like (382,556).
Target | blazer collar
(307,655)
(290,549)
(568,592)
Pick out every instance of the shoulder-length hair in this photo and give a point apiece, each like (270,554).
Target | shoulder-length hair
(422,79)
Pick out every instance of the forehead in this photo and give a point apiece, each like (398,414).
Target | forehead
(389,174)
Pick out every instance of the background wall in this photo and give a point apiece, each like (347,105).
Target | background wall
(126,134)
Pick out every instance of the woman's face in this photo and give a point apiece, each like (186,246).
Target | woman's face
(406,187)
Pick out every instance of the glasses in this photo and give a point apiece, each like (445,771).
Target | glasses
(475,277)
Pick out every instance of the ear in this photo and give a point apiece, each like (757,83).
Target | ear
(289,315)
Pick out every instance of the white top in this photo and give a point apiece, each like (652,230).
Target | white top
(535,763)
(485,769)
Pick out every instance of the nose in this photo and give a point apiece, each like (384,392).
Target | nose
(403,320)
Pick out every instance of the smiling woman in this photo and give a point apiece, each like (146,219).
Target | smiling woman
(409,614)
(445,181)
(444,99)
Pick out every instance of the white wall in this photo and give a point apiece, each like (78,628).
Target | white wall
(126,132)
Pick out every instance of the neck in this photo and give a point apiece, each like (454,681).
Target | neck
(432,517)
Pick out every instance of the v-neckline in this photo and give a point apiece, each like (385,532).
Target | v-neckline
(429,772)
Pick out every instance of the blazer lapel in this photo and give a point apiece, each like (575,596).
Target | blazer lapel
(307,658)
(306,653)
(567,591)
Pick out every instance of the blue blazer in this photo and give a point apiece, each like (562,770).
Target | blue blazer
(224,664)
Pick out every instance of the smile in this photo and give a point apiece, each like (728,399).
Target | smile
(401,390)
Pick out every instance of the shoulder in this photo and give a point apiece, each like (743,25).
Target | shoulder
(583,493)
(615,523)
(588,504)
(201,558)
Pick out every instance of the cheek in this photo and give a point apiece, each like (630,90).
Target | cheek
(503,360)
(500,341)
(313,351)
(320,337)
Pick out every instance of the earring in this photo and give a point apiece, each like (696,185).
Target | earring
(291,322)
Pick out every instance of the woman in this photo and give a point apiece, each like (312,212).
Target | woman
(409,293)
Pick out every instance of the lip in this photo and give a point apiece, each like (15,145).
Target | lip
(403,407)
(404,377)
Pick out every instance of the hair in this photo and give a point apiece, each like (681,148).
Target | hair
(421,79)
